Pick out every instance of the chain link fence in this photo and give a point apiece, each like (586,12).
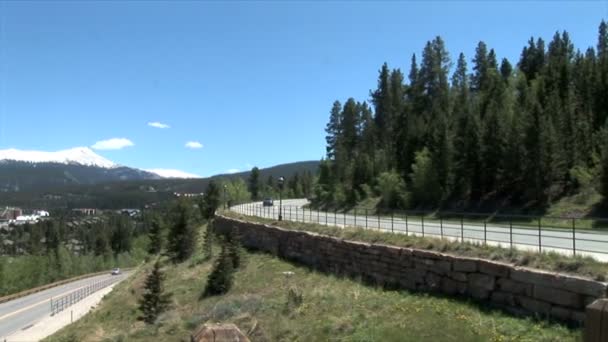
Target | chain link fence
(576,236)
(61,303)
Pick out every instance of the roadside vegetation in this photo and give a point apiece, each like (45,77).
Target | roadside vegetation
(551,261)
(61,248)
(273,300)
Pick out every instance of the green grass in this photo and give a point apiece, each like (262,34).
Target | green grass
(551,261)
(332,309)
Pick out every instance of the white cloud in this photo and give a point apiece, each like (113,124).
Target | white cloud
(232,170)
(112,144)
(171,173)
(194,144)
(158,125)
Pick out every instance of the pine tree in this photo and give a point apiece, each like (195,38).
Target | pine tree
(154,300)
(514,151)
(381,98)
(221,277)
(254,183)
(122,234)
(532,58)
(460,114)
(156,235)
(51,235)
(479,78)
(602,75)
(506,70)
(440,145)
(211,201)
(233,246)
(208,242)
(102,245)
(182,237)
(333,129)
(603,186)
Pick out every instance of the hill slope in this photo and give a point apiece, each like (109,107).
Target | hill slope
(331,308)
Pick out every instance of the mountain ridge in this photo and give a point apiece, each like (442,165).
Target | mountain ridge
(109,193)
(77,155)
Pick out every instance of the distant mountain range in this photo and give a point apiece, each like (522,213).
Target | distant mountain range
(23,176)
(80,177)
(24,170)
(75,156)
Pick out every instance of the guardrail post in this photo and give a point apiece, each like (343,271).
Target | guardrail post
(335,217)
(540,249)
(441,226)
(574,236)
(406,226)
(326,217)
(392,222)
(355,217)
(461,228)
(422,220)
(511,232)
(344,215)
(485,232)
(365,218)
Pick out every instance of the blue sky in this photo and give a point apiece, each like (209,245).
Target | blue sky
(252,82)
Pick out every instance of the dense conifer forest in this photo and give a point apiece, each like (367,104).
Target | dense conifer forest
(459,134)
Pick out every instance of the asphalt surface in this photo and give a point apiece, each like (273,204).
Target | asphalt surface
(586,242)
(22,312)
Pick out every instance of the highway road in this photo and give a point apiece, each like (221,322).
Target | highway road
(22,313)
(586,242)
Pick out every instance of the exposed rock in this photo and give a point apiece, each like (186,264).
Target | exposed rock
(218,333)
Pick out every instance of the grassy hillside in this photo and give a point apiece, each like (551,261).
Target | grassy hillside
(333,308)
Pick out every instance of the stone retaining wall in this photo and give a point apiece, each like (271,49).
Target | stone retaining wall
(518,290)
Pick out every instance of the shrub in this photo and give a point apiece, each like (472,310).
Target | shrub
(392,190)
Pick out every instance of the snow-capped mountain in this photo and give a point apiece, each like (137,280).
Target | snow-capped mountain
(24,170)
(170,173)
(78,155)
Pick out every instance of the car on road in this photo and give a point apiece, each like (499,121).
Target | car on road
(268,202)
(116,271)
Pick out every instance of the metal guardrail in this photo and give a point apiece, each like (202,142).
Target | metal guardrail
(61,303)
(533,232)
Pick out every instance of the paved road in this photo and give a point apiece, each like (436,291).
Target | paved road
(586,242)
(23,312)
